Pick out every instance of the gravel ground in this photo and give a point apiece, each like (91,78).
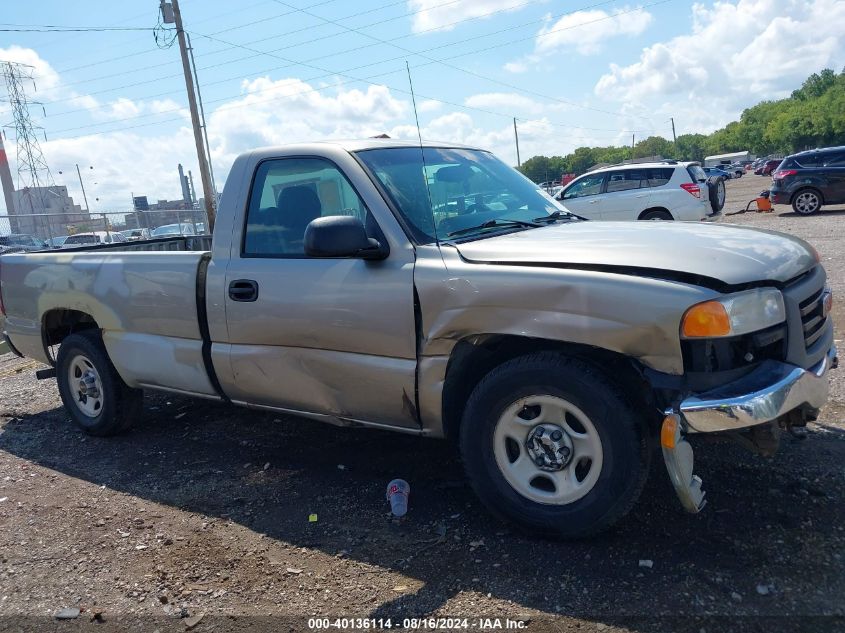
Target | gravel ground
(203,510)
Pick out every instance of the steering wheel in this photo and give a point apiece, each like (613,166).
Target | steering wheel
(476,207)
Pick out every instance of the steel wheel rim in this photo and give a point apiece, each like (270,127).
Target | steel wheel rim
(559,487)
(86,388)
(806,202)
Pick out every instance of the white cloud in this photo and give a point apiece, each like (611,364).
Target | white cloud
(516,67)
(123,108)
(430,105)
(290,110)
(437,15)
(512,103)
(736,54)
(124,163)
(45,76)
(588,31)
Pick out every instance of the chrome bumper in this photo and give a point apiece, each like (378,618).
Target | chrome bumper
(769,392)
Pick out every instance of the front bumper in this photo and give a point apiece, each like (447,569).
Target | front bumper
(778,196)
(766,394)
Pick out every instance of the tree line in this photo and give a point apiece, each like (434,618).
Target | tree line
(812,116)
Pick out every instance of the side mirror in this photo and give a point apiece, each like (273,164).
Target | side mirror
(341,236)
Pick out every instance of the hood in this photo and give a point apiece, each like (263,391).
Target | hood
(731,255)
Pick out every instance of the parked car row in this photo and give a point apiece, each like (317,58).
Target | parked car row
(20,243)
(24,242)
(767,167)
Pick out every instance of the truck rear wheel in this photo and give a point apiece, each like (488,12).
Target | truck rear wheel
(93,393)
(553,446)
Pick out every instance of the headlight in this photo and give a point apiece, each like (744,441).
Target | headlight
(734,314)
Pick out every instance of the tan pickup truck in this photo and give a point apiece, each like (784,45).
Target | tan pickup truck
(434,290)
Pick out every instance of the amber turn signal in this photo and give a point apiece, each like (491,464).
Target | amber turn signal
(668,431)
(706,319)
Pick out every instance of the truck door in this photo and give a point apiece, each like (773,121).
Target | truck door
(324,336)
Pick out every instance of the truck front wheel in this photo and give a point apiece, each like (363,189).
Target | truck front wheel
(551,445)
(93,393)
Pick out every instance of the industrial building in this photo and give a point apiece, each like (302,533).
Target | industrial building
(46,212)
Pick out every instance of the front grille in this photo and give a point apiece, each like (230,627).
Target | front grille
(812,317)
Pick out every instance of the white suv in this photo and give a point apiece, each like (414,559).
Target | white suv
(667,190)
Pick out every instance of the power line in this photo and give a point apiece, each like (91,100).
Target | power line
(292,63)
(279,35)
(218,16)
(366,80)
(71,29)
(448,65)
(307,91)
(289,65)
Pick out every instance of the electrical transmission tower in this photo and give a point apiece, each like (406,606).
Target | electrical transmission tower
(33,172)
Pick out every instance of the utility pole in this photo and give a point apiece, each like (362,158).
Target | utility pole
(516,138)
(204,126)
(84,197)
(205,174)
(632,146)
(674,138)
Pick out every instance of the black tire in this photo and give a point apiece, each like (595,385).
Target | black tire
(716,193)
(622,433)
(807,201)
(120,406)
(656,214)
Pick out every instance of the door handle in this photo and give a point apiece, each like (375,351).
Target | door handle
(594,201)
(243,290)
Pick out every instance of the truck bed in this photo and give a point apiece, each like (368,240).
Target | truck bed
(143,296)
(177,243)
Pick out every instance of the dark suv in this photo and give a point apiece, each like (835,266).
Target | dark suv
(810,179)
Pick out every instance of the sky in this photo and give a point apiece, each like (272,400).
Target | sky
(573,73)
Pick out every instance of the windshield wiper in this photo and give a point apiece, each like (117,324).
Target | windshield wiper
(554,217)
(489,224)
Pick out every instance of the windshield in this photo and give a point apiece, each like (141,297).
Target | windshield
(466,188)
(83,238)
(172,229)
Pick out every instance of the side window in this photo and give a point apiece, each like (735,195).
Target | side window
(658,176)
(587,186)
(624,180)
(835,160)
(810,161)
(287,194)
